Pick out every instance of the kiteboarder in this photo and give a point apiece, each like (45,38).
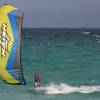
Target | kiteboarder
(36,81)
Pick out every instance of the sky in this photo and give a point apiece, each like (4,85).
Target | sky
(58,13)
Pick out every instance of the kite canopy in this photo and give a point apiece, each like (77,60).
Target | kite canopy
(10,42)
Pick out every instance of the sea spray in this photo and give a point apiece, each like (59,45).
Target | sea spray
(66,89)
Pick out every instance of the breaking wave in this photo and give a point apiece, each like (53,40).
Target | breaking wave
(66,89)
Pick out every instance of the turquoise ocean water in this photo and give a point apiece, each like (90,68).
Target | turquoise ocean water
(67,60)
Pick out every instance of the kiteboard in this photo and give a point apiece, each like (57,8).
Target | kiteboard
(36,87)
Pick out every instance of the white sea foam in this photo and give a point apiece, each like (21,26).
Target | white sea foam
(66,89)
(86,33)
(98,36)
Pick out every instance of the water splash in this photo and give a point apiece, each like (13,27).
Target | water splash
(66,89)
